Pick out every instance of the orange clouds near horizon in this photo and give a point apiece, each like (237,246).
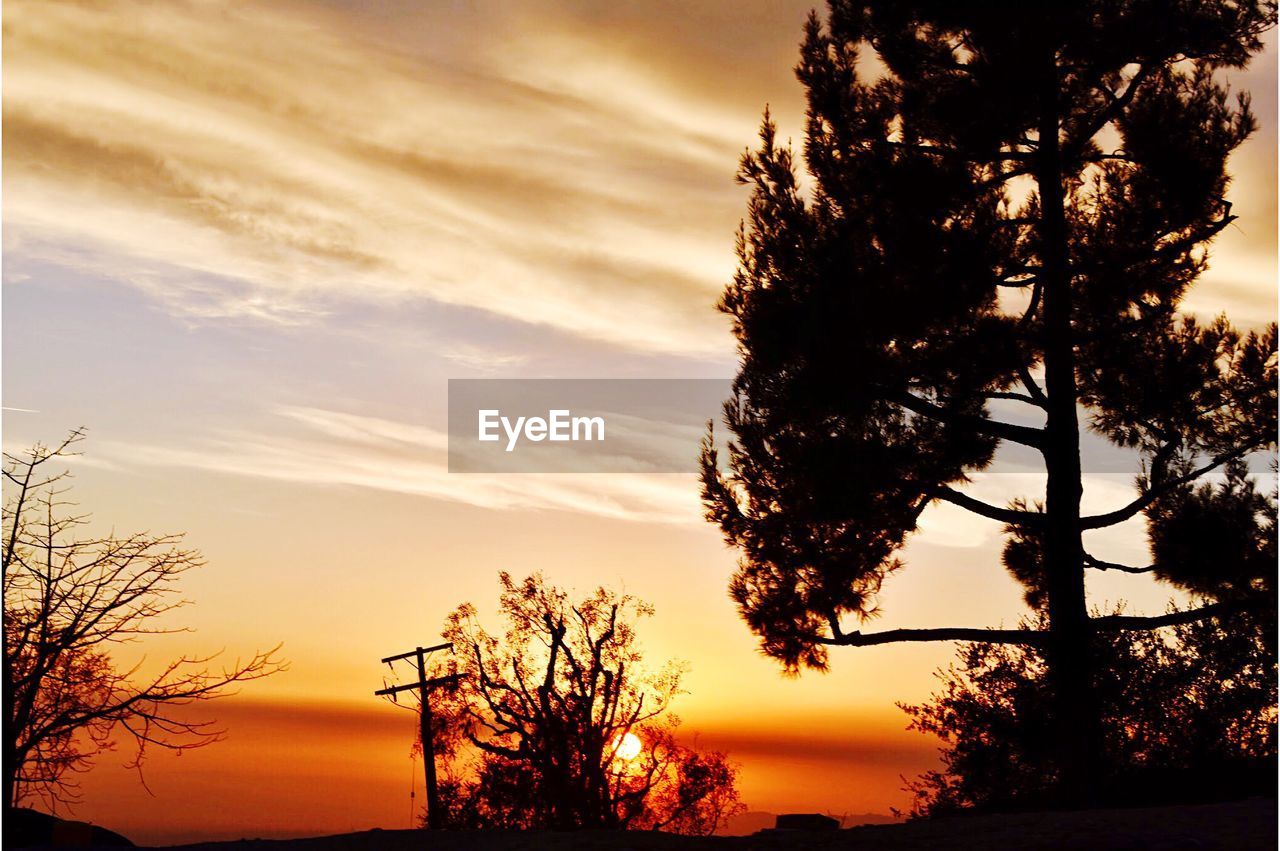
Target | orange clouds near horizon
(298,768)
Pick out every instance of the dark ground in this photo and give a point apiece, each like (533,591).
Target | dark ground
(1237,826)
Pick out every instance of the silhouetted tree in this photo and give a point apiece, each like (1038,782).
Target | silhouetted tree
(996,191)
(1188,712)
(538,728)
(1186,718)
(69,601)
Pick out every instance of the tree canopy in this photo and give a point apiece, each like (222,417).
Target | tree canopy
(1000,210)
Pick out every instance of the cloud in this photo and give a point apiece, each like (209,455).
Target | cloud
(342,449)
(242,160)
(481,360)
(567,166)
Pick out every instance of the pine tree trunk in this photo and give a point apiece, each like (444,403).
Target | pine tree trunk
(1069,651)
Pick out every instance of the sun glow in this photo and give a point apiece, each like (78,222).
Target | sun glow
(627,747)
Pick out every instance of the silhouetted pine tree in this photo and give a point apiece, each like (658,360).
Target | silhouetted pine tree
(995,192)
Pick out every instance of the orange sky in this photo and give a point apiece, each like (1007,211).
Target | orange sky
(247,244)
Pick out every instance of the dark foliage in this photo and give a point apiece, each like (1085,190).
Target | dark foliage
(1188,715)
(558,723)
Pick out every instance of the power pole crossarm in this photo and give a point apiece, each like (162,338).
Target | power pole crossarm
(431,683)
(389,659)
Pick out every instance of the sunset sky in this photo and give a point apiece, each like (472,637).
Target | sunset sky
(247,244)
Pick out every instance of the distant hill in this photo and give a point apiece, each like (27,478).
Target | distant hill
(745,824)
(26,828)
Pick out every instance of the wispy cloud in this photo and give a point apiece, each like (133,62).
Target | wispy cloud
(478,359)
(242,160)
(321,447)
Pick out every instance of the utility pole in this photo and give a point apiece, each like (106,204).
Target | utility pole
(424,686)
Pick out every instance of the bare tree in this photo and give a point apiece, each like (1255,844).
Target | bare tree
(566,725)
(69,601)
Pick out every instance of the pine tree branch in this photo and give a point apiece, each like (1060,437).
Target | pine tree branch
(1014,517)
(1192,237)
(1136,622)
(1015,397)
(1033,389)
(1028,637)
(1150,495)
(1005,175)
(1115,106)
(1035,637)
(1099,564)
(1024,435)
(1033,307)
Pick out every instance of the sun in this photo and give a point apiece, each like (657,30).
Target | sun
(627,747)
